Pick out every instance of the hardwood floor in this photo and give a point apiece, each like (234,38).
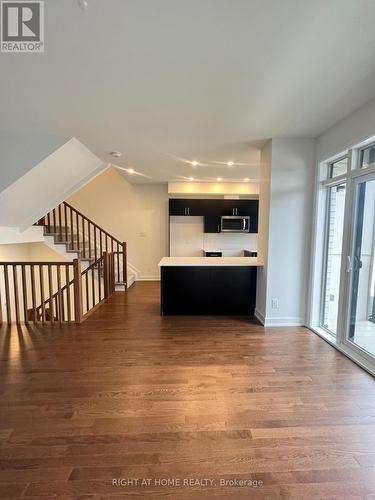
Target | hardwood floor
(130,394)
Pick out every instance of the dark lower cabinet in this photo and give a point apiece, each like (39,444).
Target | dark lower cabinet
(219,290)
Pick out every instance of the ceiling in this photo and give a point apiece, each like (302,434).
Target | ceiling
(167,82)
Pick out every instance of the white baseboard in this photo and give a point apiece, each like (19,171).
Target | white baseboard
(259,316)
(271,322)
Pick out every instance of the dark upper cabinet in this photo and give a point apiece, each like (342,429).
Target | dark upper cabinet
(212,210)
(212,217)
(248,208)
(236,207)
(212,224)
(253,208)
(179,206)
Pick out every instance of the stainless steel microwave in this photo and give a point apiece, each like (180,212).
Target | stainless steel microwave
(235,224)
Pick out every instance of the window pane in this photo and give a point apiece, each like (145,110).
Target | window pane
(368,156)
(335,215)
(338,167)
(362,308)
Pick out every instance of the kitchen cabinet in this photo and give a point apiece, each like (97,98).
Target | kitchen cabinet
(206,289)
(253,212)
(212,215)
(213,210)
(185,207)
(212,224)
(238,207)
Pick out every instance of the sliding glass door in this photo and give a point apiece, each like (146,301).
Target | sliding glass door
(361,324)
(333,256)
(342,307)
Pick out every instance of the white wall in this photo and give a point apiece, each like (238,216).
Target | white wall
(250,188)
(350,131)
(19,152)
(137,214)
(9,235)
(47,184)
(186,236)
(264,209)
(289,232)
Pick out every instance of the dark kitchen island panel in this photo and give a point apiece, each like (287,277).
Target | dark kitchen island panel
(218,290)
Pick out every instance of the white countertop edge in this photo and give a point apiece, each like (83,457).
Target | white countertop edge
(210,261)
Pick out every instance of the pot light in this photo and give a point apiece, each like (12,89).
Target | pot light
(191,179)
(246,179)
(84,4)
(130,170)
(219,179)
(194,163)
(230,163)
(116,154)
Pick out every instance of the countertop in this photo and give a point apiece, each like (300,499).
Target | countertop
(209,261)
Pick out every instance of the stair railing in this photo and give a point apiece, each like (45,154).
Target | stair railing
(81,234)
(54,292)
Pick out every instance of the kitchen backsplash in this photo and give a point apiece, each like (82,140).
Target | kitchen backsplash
(187,239)
(232,245)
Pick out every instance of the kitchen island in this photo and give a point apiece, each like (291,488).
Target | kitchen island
(208,285)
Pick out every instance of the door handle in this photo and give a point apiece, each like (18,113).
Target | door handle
(349,267)
(244,224)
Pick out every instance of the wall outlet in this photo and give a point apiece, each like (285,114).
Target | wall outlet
(275,303)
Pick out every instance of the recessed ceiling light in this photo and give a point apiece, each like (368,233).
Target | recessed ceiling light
(194,163)
(219,179)
(230,163)
(130,170)
(246,179)
(116,154)
(84,4)
(191,179)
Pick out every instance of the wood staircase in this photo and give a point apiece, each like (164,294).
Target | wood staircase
(65,292)
(82,236)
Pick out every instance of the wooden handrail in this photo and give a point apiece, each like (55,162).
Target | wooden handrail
(76,265)
(34,263)
(25,283)
(85,236)
(91,222)
(82,292)
(61,289)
